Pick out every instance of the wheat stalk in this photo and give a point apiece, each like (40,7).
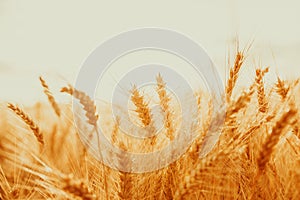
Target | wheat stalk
(126,182)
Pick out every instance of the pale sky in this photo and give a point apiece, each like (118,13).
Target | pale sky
(53,38)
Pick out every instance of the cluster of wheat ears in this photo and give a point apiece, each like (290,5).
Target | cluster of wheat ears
(256,157)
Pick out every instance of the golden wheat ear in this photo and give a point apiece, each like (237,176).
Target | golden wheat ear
(164,101)
(268,147)
(142,108)
(50,97)
(234,73)
(261,96)
(32,125)
(87,103)
(281,89)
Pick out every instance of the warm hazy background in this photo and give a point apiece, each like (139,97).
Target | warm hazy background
(52,38)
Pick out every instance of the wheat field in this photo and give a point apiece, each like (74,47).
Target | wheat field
(256,157)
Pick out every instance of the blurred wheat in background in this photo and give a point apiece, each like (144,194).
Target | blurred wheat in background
(256,157)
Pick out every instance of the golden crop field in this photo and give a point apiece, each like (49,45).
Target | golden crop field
(256,157)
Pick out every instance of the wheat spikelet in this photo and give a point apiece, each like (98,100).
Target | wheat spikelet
(263,104)
(86,101)
(234,72)
(272,140)
(51,99)
(35,129)
(165,106)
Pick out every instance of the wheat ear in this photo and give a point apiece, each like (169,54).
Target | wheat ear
(86,101)
(51,98)
(234,72)
(282,89)
(272,140)
(262,101)
(92,116)
(33,126)
(165,106)
(142,108)
(144,113)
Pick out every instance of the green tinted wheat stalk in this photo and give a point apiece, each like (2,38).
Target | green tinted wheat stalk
(51,99)
(33,126)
